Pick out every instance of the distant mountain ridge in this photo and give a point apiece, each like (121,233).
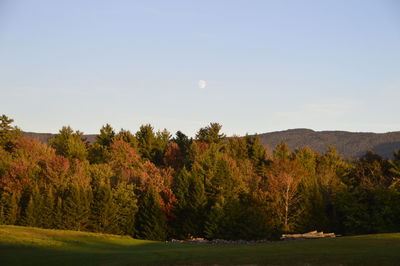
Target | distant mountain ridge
(348,144)
(44,137)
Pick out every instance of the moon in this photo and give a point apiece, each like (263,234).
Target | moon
(202,84)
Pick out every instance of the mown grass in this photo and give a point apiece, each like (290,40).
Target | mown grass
(33,246)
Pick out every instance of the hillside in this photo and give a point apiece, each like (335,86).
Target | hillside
(44,137)
(33,246)
(349,144)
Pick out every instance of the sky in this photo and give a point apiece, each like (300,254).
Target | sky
(252,66)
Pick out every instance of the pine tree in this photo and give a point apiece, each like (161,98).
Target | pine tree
(214,218)
(2,215)
(128,137)
(106,136)
(282,152)
(150,219)
(10,208)
(99,152)
(76,208)
(31,207)
(8,134)
(184,143)
(58,217)
(69,144)
(46,215)
(256,152)
(210,134)
(125,204)
(189,212)
(102,210)
(29,218)
(152,146)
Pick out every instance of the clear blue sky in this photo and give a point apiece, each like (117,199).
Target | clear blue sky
(268,65)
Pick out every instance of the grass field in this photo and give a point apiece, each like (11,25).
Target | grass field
(33,246)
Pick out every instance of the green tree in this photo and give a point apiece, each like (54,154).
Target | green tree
(256,153)
(46,214)
(150,219)
(76,208)
(106,136)
(147,142)
(184,143)
(69,144)
(246,218)
(125,204)
(33,208)
(102,210)
(395,171)
(99,152)
(314,214)
(210,134)
(8,133)
(368,205)
(152,146)
(100,174)
(282,152)
(9,207)
(213,224)
(128,137)
(190,208)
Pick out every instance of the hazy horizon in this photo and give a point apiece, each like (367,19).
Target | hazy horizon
(133,130)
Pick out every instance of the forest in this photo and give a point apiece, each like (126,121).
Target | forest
(153,185)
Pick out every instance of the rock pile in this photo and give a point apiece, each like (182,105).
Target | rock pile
(199,240)
(309,235)
(218,241)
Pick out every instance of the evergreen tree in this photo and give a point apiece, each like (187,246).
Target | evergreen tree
(125,204)
(8,133)
(282,152)
(314,214)
(99,152)
(2,214)
(147,142)
(102,210)
(213,225)
(69,144)
(100,174)
(211,134)
(237,147)
(29,218)
(76,208)
(190,209)
(58,217)
(47,211)
(256,152)
(33,208)
(106,136)
(184,143)
(9,207)
(246,218)
(150,219)
(128,137)
(152,146)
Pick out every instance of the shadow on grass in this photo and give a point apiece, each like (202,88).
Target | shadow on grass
(84,250)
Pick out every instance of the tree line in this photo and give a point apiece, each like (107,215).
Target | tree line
(152,185)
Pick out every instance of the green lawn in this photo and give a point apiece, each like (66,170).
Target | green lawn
(33,246)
